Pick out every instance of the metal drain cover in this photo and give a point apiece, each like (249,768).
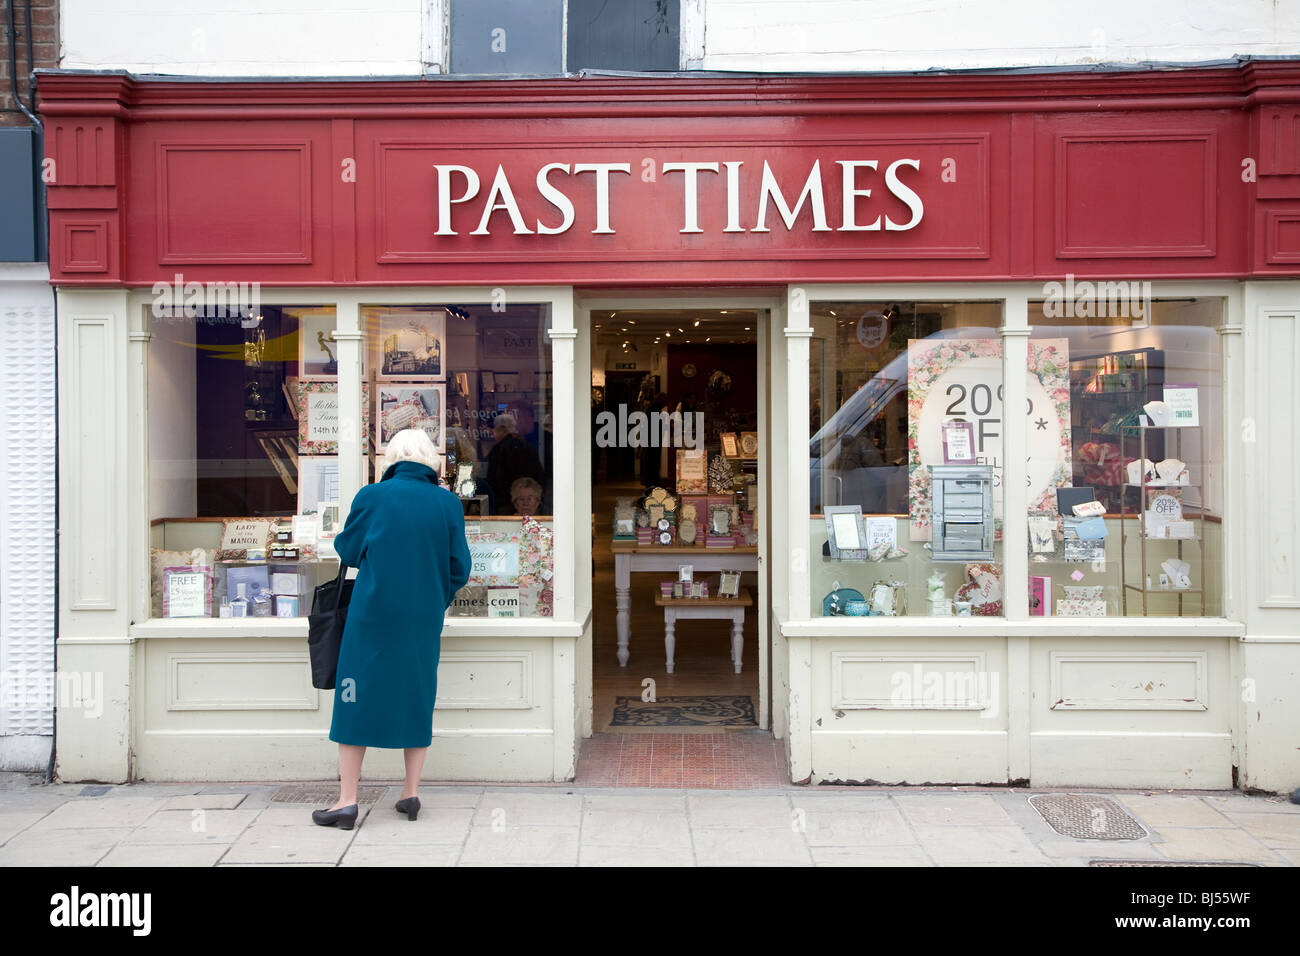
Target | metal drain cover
(1083,816)
(1162,863)
(325,794)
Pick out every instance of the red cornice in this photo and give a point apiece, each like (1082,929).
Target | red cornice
(1214,87)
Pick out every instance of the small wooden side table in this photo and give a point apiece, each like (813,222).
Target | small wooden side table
(713,608)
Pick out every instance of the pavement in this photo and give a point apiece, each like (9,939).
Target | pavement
(204,824)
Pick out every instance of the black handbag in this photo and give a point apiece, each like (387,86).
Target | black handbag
(329,611)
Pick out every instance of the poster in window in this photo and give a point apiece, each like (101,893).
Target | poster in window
(318,417)
(187,592)
(423,407)
(961,378)
(411,343)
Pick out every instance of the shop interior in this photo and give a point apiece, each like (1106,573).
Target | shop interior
(682,520)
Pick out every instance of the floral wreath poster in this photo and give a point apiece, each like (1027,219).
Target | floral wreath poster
(318,417)
(961,380)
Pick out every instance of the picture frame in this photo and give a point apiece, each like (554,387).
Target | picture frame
(720,520)
(412,343)
(692,471)
(487,381)
(685,573)
(730,445)
(239,536)
(958,443)
(845,532)
(461,383)
(749,444)
(416,405)
(729,584)
(317,347)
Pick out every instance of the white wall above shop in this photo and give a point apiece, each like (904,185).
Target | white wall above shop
(407,37)
(245,37)
(875,35)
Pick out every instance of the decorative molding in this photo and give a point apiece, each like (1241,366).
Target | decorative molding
(1155,679)
(507,684)
(1277,399)
(90,496)
(962,674)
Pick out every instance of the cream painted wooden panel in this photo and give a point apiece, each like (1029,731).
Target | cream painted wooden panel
(1139,680)
(910,756)
(486,679)
(240,681)
(94,732)
(91,453)
(1279,472)
(1163,760)
(915,680)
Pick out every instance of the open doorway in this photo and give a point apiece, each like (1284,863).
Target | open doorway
(676,454)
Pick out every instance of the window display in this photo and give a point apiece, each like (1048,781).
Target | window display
(243,431)
(906,445)
(1138,525)
(477,380)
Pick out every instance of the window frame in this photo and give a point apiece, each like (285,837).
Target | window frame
(1015,332)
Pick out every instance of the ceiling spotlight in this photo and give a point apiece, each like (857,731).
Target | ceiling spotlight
(681,330)
(668,334)
(832,311)
(631,321)
(747,328)
(706,340)
(697,323)
(724,311)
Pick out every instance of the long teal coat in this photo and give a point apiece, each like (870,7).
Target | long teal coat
(406,535)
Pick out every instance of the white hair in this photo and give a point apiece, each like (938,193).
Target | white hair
(508,422)
(411,444)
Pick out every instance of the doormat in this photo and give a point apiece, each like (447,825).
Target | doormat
(730,710)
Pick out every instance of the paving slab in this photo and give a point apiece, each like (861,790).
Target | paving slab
(206,801)
(157,855)
(11,824)
(857,828)
(652,829)
(405,855)
(730,809)
(1275,830)
(103,811)
(650,800)
(957,809)
(1064,848)
(516,808)
(67,847)
(1171,810)
(176,827)
(750,846)
(593,855)
(1203,843)
(873,856)
(859,802)
(540,845)
(969,845)
(434,825)
(276,844)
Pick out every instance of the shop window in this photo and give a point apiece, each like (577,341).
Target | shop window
(477,379)
(243,480)
(905,457)
(1134,526)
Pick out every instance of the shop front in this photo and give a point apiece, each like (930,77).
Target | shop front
(818,293)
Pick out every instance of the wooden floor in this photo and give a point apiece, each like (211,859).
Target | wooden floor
(703,652)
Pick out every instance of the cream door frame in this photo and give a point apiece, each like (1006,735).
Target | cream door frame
(771,308)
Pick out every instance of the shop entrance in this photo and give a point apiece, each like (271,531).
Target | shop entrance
(678,450)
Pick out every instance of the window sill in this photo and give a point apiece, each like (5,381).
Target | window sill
(1050,627)
(296,627)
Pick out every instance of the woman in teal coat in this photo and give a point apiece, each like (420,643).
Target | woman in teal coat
(406,536)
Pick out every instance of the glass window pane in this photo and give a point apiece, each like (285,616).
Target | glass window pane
(1137,526)
(477,380)
(240,526)
(906,460)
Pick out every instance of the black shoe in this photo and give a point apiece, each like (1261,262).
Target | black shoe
(410,806)
(345,818)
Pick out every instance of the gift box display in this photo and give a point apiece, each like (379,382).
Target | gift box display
(1075,607)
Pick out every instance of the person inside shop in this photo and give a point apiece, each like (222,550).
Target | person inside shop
(526,496)
(510,458)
